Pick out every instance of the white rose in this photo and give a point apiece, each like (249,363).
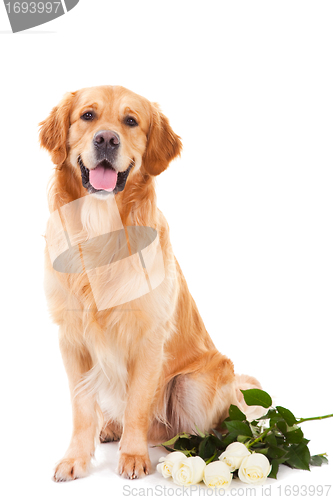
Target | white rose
(254,469)
(217,474)
(165,468)
(233,455)
(188,471)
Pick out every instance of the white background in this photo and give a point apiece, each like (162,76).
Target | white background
(248,87)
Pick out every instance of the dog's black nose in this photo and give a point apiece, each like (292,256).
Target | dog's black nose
(106,139)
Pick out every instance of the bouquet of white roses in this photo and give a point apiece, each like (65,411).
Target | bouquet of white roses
(252,450)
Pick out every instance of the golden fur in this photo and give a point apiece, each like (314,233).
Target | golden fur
(147,369)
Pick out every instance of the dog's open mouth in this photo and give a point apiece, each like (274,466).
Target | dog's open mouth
(103,177)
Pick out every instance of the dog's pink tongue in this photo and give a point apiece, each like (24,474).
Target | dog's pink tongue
(103,178)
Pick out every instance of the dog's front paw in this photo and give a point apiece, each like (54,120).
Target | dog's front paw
(133,466)
(71,468)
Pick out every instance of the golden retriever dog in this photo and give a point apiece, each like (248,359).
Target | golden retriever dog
(140,364)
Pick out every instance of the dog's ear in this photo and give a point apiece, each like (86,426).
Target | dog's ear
(54,130)
(163,145)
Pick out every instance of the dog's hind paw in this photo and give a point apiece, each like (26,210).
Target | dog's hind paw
(133,466)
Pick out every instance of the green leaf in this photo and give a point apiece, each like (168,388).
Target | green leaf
(202,447)
(206,448)
(235,413)
(276,452)
(298,456)
(171,441)
(257,397)
(318,460)
(263,451)
(236,428)
(242,439)
(219,443)
(275,420)
(279,440)
(287,415)
(230,438)
(271,439)
(271,413)
(275,467)
(174,439)
(200,433)
(185,444)
(294,436)
(282,426)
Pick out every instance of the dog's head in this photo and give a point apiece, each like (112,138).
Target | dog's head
(106,133)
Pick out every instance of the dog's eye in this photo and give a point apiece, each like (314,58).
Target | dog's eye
(130,121)
(88,116)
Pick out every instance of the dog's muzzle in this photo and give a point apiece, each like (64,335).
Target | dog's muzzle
(109,171)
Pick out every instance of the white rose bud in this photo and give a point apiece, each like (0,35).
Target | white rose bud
(188,471)
(217,474)
(254,469)
(233,455)
(165,468)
